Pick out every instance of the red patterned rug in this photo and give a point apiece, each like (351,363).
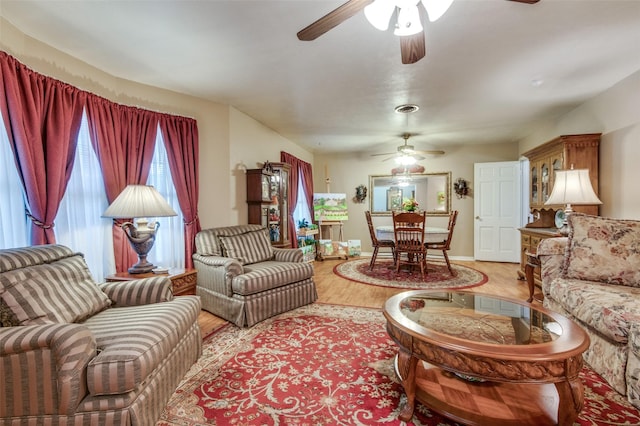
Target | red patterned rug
(322,365)
(384,274)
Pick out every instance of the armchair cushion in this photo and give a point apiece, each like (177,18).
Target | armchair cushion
(264,276)
(60,292)
(603,250)
(248,248)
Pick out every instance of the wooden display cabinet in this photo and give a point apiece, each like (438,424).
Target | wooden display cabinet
(561,153)
(268,201)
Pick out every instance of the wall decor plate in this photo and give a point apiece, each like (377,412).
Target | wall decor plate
(559,218)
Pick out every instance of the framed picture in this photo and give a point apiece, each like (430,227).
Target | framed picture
(394,199)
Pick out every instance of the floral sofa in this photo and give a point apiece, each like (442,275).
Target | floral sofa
(73,352)
(593,277)
(243,279)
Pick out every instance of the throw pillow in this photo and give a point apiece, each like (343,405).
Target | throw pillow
(60,292)
(603,249)
(248,248)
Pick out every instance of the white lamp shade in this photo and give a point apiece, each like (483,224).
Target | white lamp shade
(408,21)
(140,201)
(379,13)
(436,8)
(573,187)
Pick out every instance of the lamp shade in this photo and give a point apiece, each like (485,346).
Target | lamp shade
(573,187)
(139,201)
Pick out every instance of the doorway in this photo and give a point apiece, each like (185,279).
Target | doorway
(497,211)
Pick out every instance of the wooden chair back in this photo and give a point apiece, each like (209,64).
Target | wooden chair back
(408,228)
(372,231)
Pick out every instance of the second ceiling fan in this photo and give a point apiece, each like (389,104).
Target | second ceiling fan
(407,154)
(379,12)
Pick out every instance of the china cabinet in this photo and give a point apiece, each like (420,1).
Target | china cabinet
(268,201)
(562,153)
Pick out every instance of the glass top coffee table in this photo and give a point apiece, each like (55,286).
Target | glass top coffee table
(486,360)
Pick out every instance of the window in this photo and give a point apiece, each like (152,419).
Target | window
(302,208)
(79,223)
(168,250)
(14,225)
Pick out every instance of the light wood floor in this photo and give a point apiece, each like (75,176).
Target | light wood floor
(336,290)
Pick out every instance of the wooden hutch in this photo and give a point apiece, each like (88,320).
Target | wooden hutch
(268,201)
(561,153)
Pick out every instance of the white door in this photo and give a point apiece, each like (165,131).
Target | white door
(497,211)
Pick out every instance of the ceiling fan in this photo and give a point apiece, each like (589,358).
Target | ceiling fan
(408,27)
(407,154)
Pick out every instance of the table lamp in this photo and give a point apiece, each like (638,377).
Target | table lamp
(572,187)
(142,202)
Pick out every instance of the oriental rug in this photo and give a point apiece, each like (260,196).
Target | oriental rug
(384,274)
(322,365)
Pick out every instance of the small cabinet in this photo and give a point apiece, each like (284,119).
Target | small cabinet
(529,240)
(268,201)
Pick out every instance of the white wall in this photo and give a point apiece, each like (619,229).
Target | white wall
(615,114)
(251,144)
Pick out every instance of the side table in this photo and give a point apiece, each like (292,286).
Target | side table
(183,281)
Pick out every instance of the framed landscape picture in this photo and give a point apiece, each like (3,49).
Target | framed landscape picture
(394,199)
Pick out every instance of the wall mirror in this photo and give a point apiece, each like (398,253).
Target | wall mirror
(432,191)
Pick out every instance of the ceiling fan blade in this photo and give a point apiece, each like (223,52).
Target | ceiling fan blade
(412,48)
(332,19)
(430,152)
(526,1)
(385,153)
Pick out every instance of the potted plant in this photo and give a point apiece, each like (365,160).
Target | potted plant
(305,228)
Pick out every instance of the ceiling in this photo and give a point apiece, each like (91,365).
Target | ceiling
(493,68)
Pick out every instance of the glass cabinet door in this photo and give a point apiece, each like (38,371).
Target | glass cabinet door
(534,185)
(545,181)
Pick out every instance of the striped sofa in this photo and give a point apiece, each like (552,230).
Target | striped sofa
(244,280)
(73,352)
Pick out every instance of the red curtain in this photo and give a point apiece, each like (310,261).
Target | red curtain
(42,117)
(123,139)
(181,141)
(303,171)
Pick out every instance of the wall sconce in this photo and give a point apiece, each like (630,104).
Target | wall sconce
(461,188)
(361,194)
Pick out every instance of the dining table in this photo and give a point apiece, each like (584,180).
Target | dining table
(431,234)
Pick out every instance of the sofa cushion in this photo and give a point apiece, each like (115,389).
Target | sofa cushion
(62,291)
(248,248)
(603,250)
(132,341)
(608,309)
(271,274)
(208,241)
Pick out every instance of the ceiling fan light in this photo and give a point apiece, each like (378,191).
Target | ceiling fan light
(405,160)
(379,13)
(408,21)
(436,8)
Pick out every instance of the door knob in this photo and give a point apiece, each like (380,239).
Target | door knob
(477,217)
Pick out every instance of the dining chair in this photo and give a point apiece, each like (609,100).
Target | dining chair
(408,228)
(444,245)
(378,244)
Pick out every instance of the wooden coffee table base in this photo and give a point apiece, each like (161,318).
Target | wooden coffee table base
(484,403)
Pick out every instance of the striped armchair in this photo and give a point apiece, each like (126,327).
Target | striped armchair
(73,352)
(244,280)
